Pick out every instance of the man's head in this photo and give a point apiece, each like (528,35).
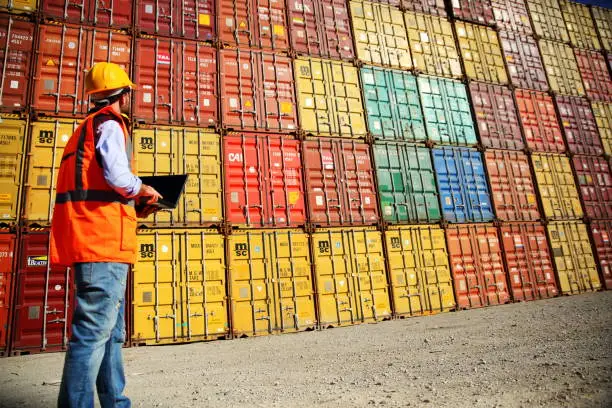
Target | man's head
(108,84)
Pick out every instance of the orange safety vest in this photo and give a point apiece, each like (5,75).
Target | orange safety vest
(91,221)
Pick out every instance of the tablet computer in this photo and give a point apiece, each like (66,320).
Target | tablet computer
(170,187)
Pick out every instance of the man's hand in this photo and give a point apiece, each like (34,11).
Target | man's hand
(148,191)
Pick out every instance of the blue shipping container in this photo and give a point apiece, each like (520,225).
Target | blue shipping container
(464,193)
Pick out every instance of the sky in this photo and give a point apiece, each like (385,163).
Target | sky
(603,3)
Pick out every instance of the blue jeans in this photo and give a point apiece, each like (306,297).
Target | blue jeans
(98,332)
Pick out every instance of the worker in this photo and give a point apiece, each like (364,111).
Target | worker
(93,231)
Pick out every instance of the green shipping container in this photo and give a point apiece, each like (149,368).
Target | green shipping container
(392,104)
(406,183)
(447,111)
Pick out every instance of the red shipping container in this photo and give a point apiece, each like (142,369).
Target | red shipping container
(253,24)
(257,91)
(601,231)
(528,261)
(263,181)
(479,277)
(478,11)
(44,299)
(512,187)
(321,28)
(177,82)
(100,13)
(579,125)
(16,41)
(539,120)
(433,7)
(394,3)
(340,182)
(65,53)
(7,260)
(512,15)
(595,183)
(498,123)
(595,75)
(523,61)
(191,19)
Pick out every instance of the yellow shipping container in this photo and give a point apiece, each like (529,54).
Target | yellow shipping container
(548,20)
(432,45)
(329,98)
(580,25)
(557,187)
(350,276)
(271,288)
(380,35)
(18,6)
(481,52)
(603,24)
(47,141)
(179,287)
(174,150)
(573,255)
(603,116)
(12,137)
(420,274)
(561,68)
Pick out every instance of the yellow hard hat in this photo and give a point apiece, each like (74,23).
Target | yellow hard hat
(106,76)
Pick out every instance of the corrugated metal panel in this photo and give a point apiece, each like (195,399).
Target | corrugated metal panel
(579,125)
(561,68)
(44,299)
(498,123)
(514,195)
(16,40)
(271,282)
(380,35)
(392,104)
(573,257)
(329,98)
(603,117)
(479,276)
(447,111)
(595,182)
(115,14)
(193,151)
(406,183)
(339,182)
(179,287)
(512,15)
(539,120)
(251,24)
(321,28)
(193,19)
(478,11)
(257,91)
(351,276)
(464,193)
(556,185)
(580,25)
(432,45)
(530,270)
(420,274)
(177,82)
(263,180)
(547,20)
(601,231)
(595,76)
(433,7)
(602,18)
(481,52)
(47,142)
(65,53)
(523,59)
(18,6)
(7,264)
(12,137)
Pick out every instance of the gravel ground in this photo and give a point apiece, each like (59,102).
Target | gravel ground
(552,353)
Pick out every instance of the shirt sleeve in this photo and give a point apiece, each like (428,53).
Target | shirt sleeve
(115,164)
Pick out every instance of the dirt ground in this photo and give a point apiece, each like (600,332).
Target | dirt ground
(552,353)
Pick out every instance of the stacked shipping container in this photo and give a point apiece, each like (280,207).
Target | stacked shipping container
(348,161)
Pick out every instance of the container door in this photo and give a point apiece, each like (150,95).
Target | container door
(512,15)
(346,104)
(358,183)
(561,68)
(579,125)
(481,51)
(196,97)
(450,185)
(314,97)
(540,123)
(422,201)
(547,20)
(405,264)
(16,40)
(12,136)
(468,280)
(601,231)
(323,182)
(7,274)
(111,13)
(523,59)
(406,106)
(491,265)
(278,111)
